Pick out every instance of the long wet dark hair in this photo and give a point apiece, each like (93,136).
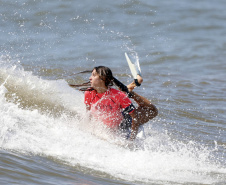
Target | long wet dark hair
(106,75)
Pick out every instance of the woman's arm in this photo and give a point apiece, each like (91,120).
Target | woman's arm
(142,114)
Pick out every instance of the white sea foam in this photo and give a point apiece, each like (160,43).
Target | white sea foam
(80,142)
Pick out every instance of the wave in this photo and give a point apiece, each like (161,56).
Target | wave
(48,118)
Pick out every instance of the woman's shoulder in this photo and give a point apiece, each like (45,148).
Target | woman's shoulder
(117,92)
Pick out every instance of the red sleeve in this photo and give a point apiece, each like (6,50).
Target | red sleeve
(125,103)
(124,100)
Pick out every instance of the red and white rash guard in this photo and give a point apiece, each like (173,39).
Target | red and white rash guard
(109,106)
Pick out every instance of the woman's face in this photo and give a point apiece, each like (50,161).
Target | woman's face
(96,81)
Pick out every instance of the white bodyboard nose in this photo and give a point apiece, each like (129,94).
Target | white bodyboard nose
(134,67)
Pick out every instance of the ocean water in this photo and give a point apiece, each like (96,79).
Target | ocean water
(45,135)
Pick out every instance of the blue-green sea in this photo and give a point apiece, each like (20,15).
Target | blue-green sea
(46,137)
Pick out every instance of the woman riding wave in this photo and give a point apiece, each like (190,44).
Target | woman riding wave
(113,107)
